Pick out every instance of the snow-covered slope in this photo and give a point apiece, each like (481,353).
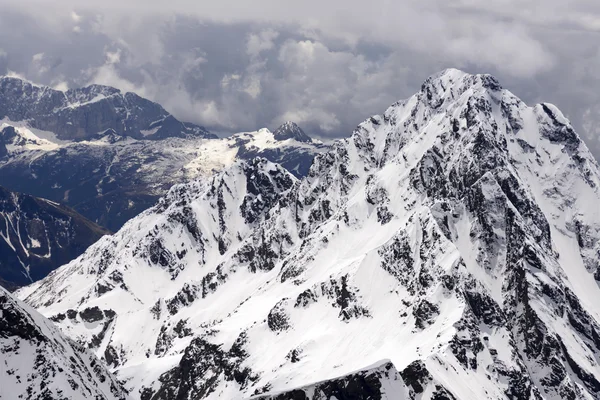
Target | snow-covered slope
(456,235)
(39,362)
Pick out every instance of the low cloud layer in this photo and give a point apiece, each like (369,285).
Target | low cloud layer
(235,66)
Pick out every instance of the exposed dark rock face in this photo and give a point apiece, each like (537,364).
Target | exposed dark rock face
(91,314)
(6,135)
(263,188)
(342,296)
(38,236)
(202,368)
(278,319)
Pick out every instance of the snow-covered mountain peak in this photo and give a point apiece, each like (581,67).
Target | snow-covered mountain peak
(455,235)
(469,115)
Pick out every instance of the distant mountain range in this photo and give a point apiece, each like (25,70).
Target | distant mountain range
(90,112)
(111,155)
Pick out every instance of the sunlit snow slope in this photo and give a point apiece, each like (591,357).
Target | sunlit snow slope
(456,235)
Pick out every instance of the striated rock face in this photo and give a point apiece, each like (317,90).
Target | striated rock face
(455,235)
(89,112)
(37,236)
(39,362)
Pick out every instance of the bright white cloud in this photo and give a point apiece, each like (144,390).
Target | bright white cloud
(113,57)
(108,75)
(75,17)
(63,86)
(13,74)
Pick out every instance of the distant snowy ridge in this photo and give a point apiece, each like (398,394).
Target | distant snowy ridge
(456,235)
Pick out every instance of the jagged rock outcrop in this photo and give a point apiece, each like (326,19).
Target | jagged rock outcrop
(380,382)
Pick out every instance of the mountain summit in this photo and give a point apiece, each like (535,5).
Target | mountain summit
(289,130)
(448,249)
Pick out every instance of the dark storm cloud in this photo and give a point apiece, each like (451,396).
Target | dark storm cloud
(235,66)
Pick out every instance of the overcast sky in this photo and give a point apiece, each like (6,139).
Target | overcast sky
(236,65)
